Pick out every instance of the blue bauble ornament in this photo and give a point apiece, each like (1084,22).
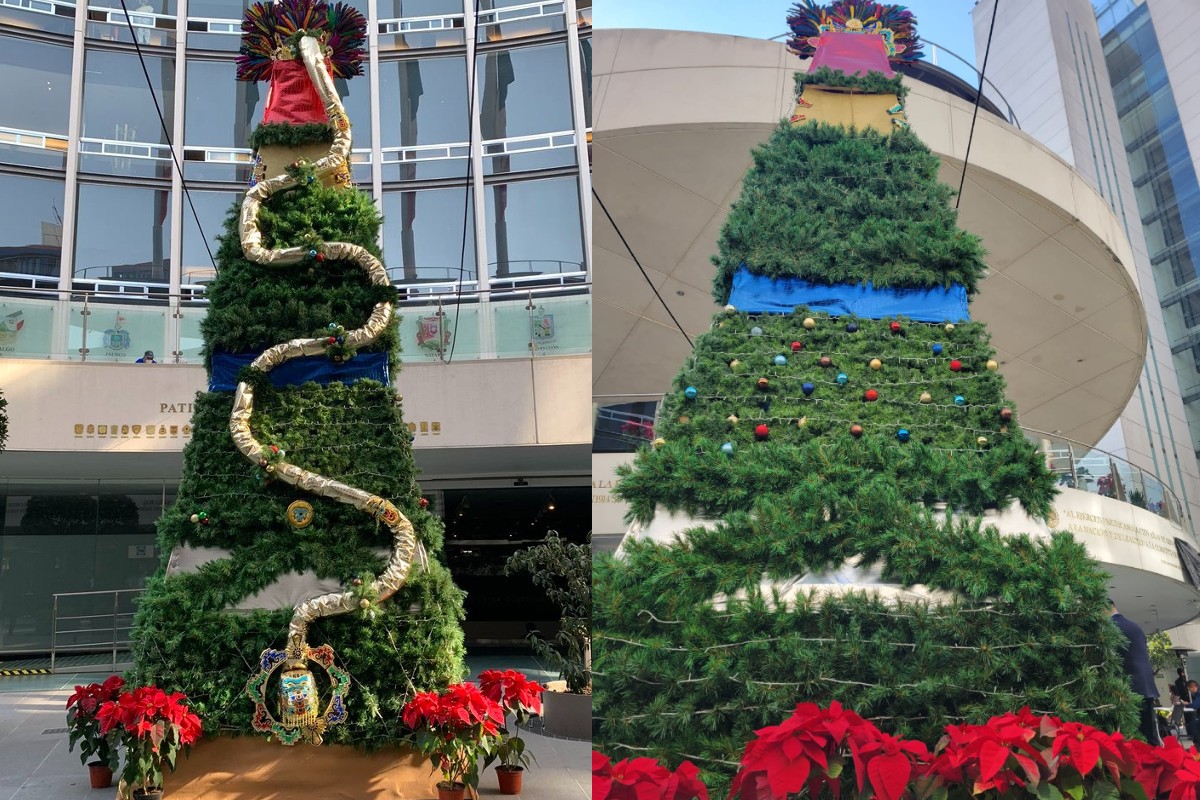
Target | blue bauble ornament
(937,349)
(851,327)
(807,388)
(902,434)
(842,378)
(756,331)
(332,326)
(312,253)
(780,361)
(690,393)
(959,400)
(727,448)
(341,340)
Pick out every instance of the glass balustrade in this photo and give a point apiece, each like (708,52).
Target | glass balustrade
(625,424)
(115,325)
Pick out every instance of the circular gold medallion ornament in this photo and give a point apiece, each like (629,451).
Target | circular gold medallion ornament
(300,514)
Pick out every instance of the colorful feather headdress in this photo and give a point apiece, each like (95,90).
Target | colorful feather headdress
(271,31)
(896,24)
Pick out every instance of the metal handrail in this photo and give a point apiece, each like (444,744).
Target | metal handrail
(113,643)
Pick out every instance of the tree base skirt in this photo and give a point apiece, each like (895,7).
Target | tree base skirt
(234,768)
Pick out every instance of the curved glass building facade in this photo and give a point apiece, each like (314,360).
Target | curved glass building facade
(470,132)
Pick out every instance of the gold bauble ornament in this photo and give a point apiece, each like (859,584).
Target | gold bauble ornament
(926,397)
(734,364)
(809,323)
(195,518)
(800,423)
(949,327)
(732,419)
(981,441)
(876,363)
(992,365)
(659,442)
(364,604)
(684,419)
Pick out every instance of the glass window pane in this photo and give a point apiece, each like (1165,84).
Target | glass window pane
(221,111)
(153,21)
(395,9)
(27,327)
(117,104)
(55,16)
(31,230)
(423,101)
(426,23)
(141,252)
(509,19)
(36,90)
(534,228)
(212,208)
(356,98)
(34,99)
(524,91)
(423,236)
(116,333)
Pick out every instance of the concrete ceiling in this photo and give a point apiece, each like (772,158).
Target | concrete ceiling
(1060,301)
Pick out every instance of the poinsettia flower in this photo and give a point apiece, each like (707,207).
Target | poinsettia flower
(685,784)
(638,779)
(601,776)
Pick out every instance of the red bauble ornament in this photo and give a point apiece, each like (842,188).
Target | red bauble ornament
(871,395)
(320,256)
(826,361)
(1006,414)
(423,502)
(274,448)
(797,347)
(955,365)
(332,340)
(761,432)
(895,326)
(856,431)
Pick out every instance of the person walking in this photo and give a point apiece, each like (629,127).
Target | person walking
(1136,661)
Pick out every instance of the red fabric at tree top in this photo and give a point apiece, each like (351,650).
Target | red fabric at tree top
(292,97)
(852,53)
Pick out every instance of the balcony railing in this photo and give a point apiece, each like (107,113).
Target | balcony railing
(112,321)
(627,423)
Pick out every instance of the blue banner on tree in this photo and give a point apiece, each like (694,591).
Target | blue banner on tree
(764,295)
(319,369)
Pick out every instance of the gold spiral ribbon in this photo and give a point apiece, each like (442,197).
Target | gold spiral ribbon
(405,548)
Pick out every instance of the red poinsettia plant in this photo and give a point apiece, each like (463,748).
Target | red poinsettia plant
(155,727)
(455,728)
(520,697)
(83,726)
(644,779)
(1015,755)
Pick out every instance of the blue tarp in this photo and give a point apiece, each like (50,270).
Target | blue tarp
(226,366)
(765,295)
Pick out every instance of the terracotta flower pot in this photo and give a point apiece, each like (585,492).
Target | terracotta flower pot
(100,774)
(510,779)
(451,791)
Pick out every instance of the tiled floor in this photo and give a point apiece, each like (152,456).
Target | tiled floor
(35,764)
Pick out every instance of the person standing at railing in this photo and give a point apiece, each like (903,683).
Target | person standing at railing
(147,358)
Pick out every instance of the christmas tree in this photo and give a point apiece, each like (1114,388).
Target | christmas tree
(303,564)
(811,510)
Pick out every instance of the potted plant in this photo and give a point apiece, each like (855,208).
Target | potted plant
(83,729)
(155,727)
(564,571)
(521,697)
(454,728)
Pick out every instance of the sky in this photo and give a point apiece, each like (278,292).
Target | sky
(946,22)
